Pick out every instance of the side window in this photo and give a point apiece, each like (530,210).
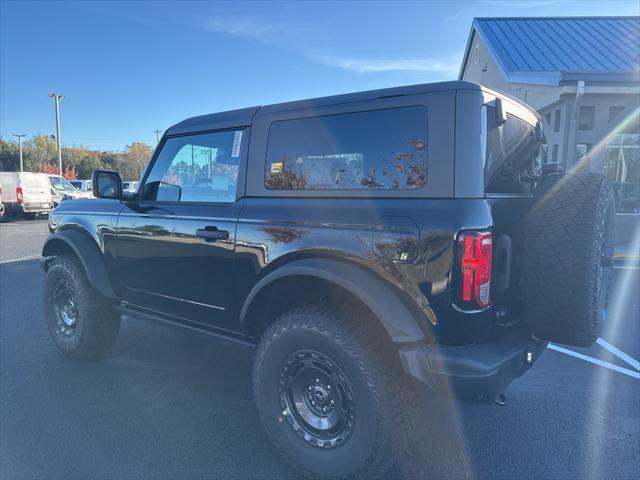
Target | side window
(512,154)
(196,168)
(586,118)
(380,149)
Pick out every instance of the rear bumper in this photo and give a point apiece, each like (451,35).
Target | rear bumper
(475,373)
(16,208)
(37,207)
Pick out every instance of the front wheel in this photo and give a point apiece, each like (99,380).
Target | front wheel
(331,394)
(81,322)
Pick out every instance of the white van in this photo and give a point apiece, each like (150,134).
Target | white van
(26,193)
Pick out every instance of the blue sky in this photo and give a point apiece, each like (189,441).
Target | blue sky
(128,68)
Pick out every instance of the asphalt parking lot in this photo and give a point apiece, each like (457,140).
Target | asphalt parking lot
(170,404)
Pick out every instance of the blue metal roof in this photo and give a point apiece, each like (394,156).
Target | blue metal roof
(550,50)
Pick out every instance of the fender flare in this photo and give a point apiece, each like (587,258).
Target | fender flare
(89,255)
(398,320)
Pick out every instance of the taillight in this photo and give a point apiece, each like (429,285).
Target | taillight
(474,252)
(19,196)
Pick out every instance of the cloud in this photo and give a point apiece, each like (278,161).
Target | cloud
(448,67)
(244,26)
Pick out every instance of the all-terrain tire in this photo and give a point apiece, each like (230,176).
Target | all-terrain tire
(381,427)
(67,291)
(568,239)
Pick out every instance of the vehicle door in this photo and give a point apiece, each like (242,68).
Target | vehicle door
(176,237)
(37,189)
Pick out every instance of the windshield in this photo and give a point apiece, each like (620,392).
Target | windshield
(61,183)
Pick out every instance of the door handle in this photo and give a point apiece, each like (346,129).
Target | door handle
(211,234)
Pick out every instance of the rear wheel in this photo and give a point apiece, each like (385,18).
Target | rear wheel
(81,322)
(331,394)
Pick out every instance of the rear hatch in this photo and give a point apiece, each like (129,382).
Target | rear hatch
(36,189)
(511,142)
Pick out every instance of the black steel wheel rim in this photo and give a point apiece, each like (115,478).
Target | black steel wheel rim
(316,399)
(65,308)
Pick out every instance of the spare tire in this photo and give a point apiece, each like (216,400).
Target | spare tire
(568,246)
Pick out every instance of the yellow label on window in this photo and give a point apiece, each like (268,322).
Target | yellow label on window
(276,167)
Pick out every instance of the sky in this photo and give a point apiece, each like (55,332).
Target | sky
(129,68)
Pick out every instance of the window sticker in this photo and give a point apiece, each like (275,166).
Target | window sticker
(237,141)
(276,167)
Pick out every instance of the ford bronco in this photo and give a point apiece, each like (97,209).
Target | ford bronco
(365,244)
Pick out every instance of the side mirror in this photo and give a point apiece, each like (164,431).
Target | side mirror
(106,184)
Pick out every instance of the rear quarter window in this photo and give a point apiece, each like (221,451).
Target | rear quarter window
(371,150)
(511,154)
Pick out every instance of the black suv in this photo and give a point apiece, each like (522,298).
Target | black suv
(365,244)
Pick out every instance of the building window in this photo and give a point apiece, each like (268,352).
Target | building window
(547,119)
(614,112)
(554,154)
(622,168)
(586,118)
(581,151)
(556,121)
(370,150)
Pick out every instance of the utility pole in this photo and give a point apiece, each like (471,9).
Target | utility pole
(158,132)
(57,99)
(20,144)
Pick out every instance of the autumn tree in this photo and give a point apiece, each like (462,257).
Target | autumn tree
(39,150)
(138,153)
(49,169)
(70,173)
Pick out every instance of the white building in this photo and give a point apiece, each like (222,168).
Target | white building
(582,74)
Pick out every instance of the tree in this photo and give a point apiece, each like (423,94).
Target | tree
(40,149)
(49,169)
(139,154)
(9,156)
(87,165)
(70,173)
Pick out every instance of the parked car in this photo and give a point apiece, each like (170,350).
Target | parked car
(1,206)
(364,244)
(82,185)
(25,194)
(130,186)
(62,189)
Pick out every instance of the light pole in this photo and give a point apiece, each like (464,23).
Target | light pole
(57,99)
(158,132)
(20,144)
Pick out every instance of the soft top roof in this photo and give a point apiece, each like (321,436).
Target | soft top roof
(243,117)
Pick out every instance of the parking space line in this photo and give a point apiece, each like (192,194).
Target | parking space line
(619,353)
(29,257)
(595,361)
